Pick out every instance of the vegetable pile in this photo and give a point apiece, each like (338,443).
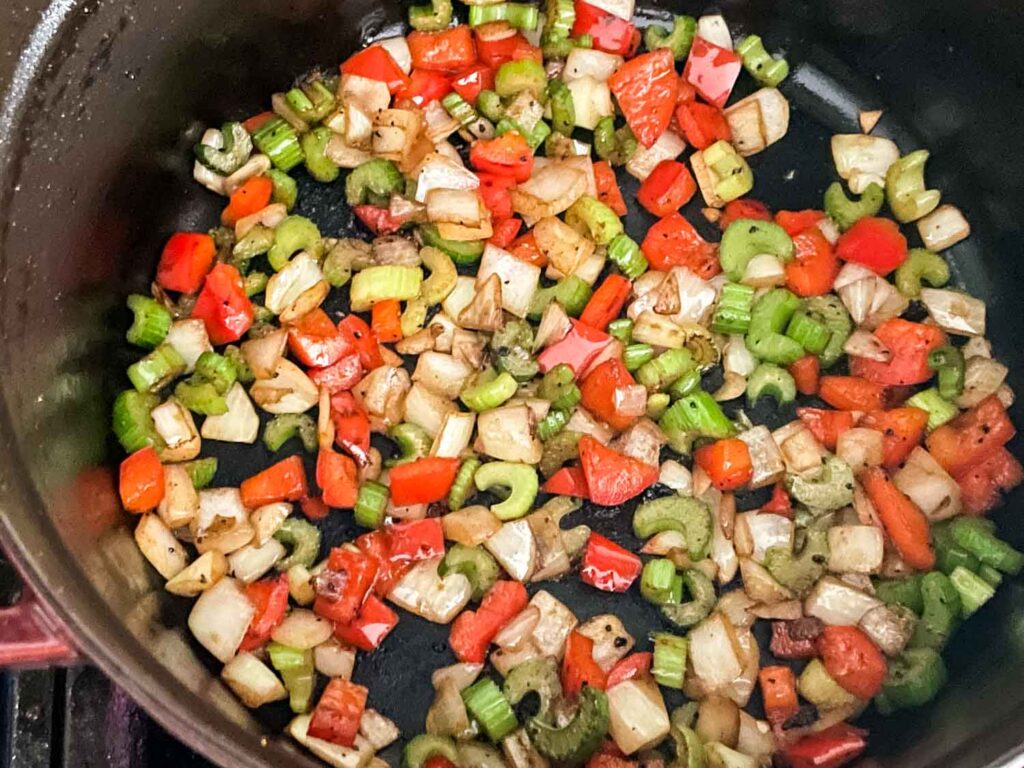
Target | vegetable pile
(511,351)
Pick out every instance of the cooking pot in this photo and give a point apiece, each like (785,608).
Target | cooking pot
(102,103)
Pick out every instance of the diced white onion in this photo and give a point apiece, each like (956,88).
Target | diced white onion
(220,618)
(201,574)
(262,354)
(863,343)
(837,603)
(252,681)
(239,424)
(928,485)
(423,592)
(764,271)
(189,339)
(398,47)
(768,466)
(637,717)
(669,146)
(955,312)
(943,228)
(860,448)
(590,62)
(676,476)
(157,543)
(440,172)
(767,531)
(736,358)
(174,423)
(285,287)
(426,409)
(289,391)
(855,549)
(515,549)
(862,160)
(454,436)
(713,28)
(507,434)
(519,280)
(556,622)
(302,629)
(758,121)
(253,561)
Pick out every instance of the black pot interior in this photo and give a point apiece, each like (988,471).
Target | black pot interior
(105,101)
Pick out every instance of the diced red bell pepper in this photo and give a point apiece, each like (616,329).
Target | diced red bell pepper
(368,630)
(375,63)
(874,243)
(495,192)
(283,481)
(507,155)
(351,427)
(378,220)
(910,344)
(469,82)
(253,196)
(645,88)
(495,52)
(377,544)
(825,425)
(450,51)
(815,267)
(472,631)
(270,599)
(778,692)
(223,306)
(386,320)
(608,32)
(579,667)
(831,748)
(607,566)
(141,480)
(805,372)
(674,242)
(605,760)
(355,573)
(633,666)
(315,341)
(853,660)
(667,188)
(727,463)
(971,437)
(851,393)
(439,761)
(252,124)
(606,302)
(337,477)
(577,350)
(786,644)
(744,208)
(423,87)
(598,390)
(337,714)
(568,481)
(608,191)
(779,503)
(712,70)
(613,478)
(314,508)
(422,481)
(416,540)
(361,337)
(185,260)
(340,377)
(505,231)
(525,249)
(902,430)
(982,486)
(797,222)
(702,124)
(902,519)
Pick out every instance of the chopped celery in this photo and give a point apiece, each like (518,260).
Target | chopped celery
(151,322)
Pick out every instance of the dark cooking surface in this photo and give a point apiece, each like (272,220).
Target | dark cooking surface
(88,199)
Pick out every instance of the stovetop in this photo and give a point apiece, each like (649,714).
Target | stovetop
(77,718)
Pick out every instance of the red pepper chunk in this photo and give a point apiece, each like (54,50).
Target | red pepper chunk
(825,425)
(702,124)
(495,192)
(416,540)
(902,519)
(902,430)
(507,155)
(284,481)
(668,188)
(851,393)
(423,87)
(438,761)
(368,630)
(314,508)
(378,220)
(375,63)
(598,392)
(971,437)
(351,576)
(360,337)
(779,503)
(351,427)
(612,477)
(568,481)
(608,191)
(853,660)
(831,748)
(469,82)
(422,481)
(377,544)
(337,477)
(270,599)
(815,267)
(341,376)
(505,232)
(778,691)
(141,480)
(185,260)
(472,631)
(797,222)
(223,306)
(633,666)
(645,88)
(337,714)
(579,667)
(608,32)
(910,344)
(712,70)
(315,341)
(606,302)
(607,566)
(494,53)
(874,243)
(449,51)
(806,372)
(727,463)
(386,320)
(253,196)
(744,208)
(577,350)
(982,486)
(674,242)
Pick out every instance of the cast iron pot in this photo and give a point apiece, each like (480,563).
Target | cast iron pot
(102,103)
